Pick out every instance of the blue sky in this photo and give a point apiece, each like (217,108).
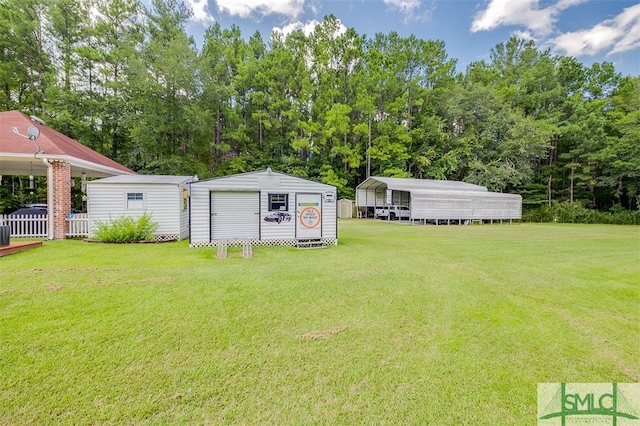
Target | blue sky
(589,30)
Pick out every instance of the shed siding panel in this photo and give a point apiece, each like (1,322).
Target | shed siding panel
(284,229)
(200,214)
(105,202)
(329,220)
(184,224)
(162,204)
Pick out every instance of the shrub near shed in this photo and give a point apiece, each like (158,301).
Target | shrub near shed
(126,229)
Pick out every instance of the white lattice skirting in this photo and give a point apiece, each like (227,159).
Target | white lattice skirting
(255,242)
(166,237)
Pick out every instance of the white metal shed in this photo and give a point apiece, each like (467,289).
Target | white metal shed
(164,198)
(345,208)
(437,199)
(264,208)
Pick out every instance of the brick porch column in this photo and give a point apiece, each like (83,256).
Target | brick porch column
(61,198)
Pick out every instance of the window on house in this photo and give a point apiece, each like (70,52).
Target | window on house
(135,201)
(279,202)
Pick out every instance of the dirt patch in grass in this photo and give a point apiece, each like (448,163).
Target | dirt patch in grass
(100,282)
(67,270)
(320,335)
(53,287)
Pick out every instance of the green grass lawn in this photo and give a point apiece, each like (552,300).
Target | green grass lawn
(398,324)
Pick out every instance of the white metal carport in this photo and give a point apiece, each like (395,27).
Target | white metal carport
(437,199)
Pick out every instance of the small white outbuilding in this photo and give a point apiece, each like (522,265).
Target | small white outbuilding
(164,198)
(345,208)
(263,208)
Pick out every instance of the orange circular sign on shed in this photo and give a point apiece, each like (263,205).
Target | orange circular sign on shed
(310,217)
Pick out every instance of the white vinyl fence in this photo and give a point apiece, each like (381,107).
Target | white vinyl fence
(32,226)
(78,225)
(22,226)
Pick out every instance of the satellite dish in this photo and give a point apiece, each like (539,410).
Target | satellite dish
(33,132)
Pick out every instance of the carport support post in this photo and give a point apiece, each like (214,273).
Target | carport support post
(61,198)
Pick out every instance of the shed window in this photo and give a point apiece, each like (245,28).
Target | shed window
(135,201)
(279,202)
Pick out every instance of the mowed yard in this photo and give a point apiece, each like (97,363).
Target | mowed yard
(398,324)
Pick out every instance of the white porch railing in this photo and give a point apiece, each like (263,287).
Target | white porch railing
(78,225)
(32,226)
(24,226)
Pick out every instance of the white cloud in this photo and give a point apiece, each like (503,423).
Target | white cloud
(411,9)
(406,7)
(616,35)
(307,28)
(629,20)
(586,42)
(521,12)
(523,35)
(314,6)
(247,8)
(200,9)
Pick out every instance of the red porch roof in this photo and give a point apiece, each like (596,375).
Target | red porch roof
(20,156)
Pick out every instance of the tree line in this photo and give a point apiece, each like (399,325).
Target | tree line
(334,105)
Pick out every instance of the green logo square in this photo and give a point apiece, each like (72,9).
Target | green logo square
(594,404)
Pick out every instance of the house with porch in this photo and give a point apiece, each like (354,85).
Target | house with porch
(29,147)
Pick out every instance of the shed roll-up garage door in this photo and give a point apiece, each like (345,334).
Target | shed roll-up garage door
(235,215)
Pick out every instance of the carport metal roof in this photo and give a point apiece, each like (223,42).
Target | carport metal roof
(409,185)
